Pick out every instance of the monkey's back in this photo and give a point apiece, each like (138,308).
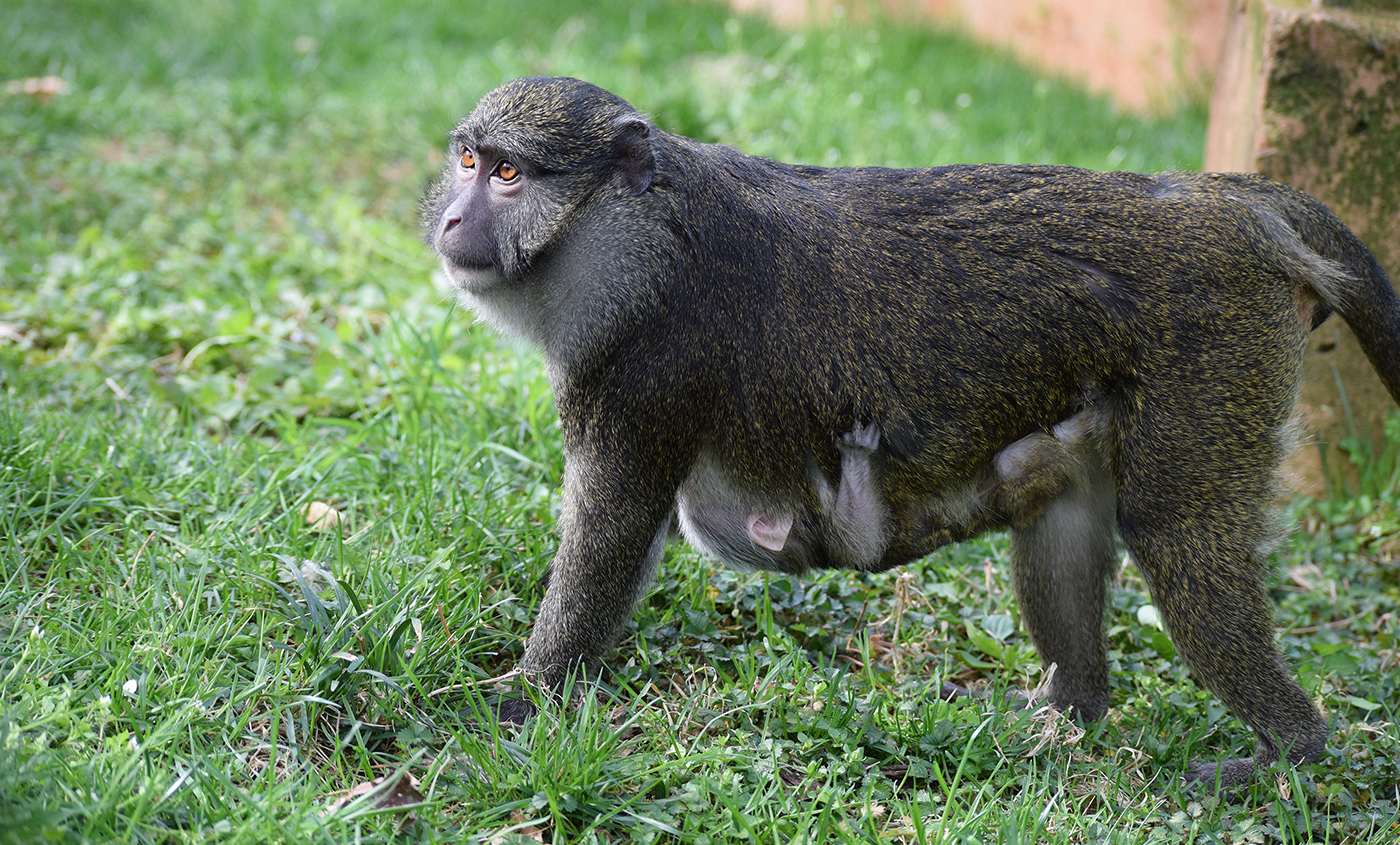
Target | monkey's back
(964,306)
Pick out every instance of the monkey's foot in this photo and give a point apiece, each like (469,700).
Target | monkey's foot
(1016,699)
(865,438)
(1227,779)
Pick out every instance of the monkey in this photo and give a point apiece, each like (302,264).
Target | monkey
(850,523)
(845,523)
(858,514)
(708,318)
(1024,480)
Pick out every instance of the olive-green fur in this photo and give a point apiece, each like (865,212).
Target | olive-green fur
(696,303)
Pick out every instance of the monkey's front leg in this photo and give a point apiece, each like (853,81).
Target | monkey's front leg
(594,581)
(613,530)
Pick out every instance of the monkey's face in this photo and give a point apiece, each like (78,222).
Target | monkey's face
(529,152)
(480,185)
(493,207)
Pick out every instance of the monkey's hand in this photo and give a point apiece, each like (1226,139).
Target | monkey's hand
(1031,473)
(515,712)
(1225,778)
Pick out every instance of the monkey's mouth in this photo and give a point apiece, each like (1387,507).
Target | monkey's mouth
(473,280)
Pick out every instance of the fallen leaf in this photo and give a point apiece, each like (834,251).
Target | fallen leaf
(40,88)
(519,825)
(321,516)
(388,792)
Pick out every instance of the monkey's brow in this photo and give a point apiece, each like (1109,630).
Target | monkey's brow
(483,149)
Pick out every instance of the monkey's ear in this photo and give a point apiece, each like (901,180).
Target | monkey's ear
(634,157)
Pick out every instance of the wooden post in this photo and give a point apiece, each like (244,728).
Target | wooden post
(1309,94)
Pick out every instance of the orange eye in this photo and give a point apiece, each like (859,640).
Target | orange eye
(507,172)
(468,159)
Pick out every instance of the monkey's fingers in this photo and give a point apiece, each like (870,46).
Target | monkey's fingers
(952,692)
(1226,779)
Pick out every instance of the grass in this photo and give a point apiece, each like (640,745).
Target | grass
(216,312)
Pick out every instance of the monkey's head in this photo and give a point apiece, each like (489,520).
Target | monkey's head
(529,154)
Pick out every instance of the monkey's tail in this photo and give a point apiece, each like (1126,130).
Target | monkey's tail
(1332,262)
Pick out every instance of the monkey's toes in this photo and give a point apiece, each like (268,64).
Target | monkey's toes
(1014,699)
(862,437)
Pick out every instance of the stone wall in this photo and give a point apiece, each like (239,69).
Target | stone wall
(1149,54)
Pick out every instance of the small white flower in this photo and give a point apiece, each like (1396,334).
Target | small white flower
(1148,617)
(129,688)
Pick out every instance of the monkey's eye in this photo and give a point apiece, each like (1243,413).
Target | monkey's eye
(468,159)
(507,172)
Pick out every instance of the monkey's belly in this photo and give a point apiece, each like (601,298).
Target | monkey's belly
(729,522)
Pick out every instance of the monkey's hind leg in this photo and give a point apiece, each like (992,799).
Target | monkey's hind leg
(1195,524)
(1061,565)
(859,520)
(1220,622)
